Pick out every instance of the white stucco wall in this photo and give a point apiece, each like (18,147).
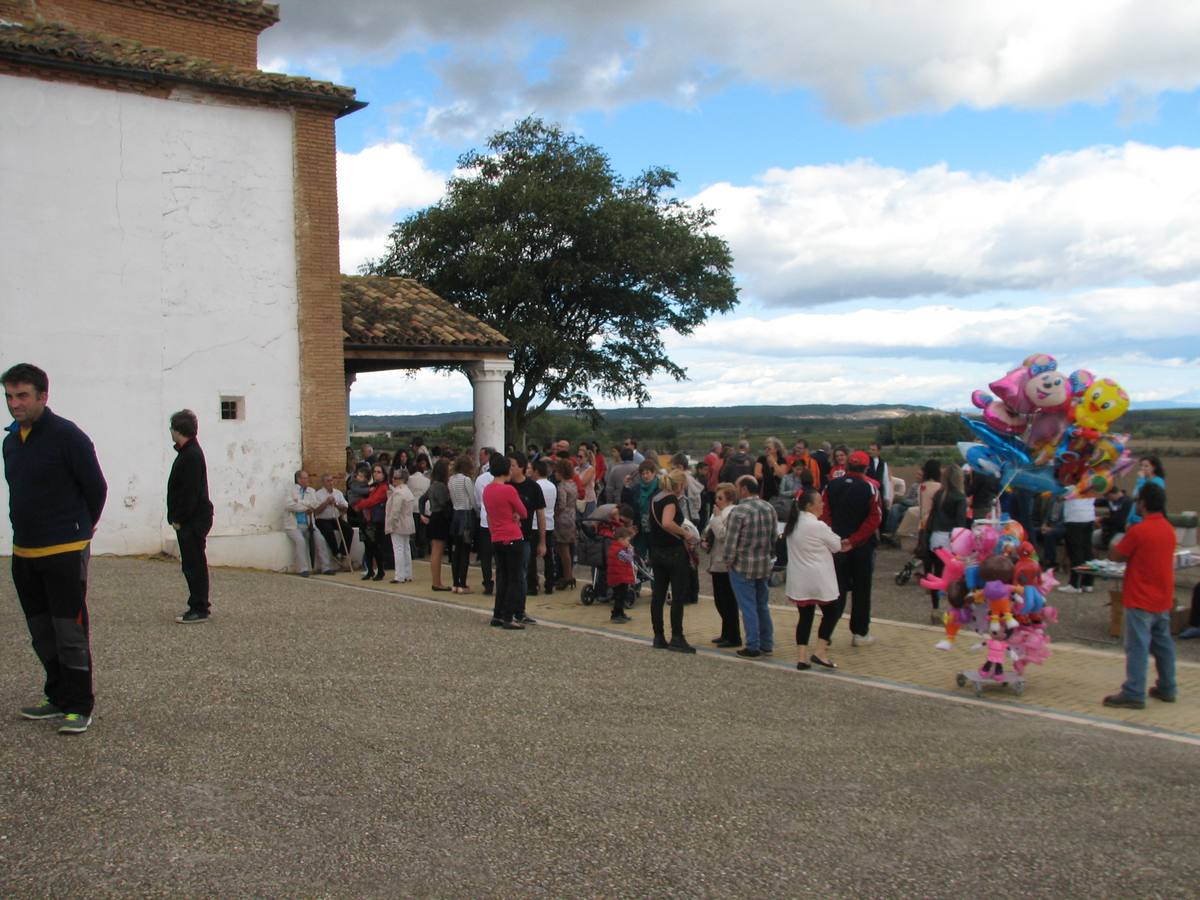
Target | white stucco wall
(147,263)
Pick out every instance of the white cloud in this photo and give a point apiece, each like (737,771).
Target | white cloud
(410,391)
(1158,323)
(1099,216)
(865,60)
(376,186)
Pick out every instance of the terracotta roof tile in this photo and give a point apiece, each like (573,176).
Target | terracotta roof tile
(52,44)
(400,312)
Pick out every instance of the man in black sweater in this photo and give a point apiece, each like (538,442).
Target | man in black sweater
(190,513)
(852,510)
(56,495)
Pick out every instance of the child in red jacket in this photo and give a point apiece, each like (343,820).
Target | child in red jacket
(620,576)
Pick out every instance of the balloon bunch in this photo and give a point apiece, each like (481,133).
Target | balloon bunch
(1048,432)
(993,584)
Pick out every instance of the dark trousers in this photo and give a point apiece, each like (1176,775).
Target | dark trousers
(1078,538)
(329,528)
(485,546)
(935,567)
(708,500)
(531,575)
(854,570)
(830,614)
(373,552)
(460,559)
(727,608)
(621,595)
(528,552)
(1049,540)
(192,538)
(53,595)
(420,541)
(508,582)
(670,568)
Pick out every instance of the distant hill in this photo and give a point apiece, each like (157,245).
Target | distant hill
(759,415)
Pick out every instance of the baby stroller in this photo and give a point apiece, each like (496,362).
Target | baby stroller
(593,551)
(904,576)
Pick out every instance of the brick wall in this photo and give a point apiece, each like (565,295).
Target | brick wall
(233,41)
(318,284)
(16,10)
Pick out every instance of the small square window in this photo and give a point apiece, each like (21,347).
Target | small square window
(232,409)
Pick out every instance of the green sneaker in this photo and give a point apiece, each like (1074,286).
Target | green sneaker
(44,710)
(74,723)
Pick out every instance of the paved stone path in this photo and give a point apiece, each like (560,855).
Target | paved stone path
(323,737)
(1072,682)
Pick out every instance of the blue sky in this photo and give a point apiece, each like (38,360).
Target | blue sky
(917,194)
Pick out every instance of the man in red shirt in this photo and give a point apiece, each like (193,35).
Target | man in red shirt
(1148,592)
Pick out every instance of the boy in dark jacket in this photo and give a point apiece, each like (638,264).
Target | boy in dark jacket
(190,513)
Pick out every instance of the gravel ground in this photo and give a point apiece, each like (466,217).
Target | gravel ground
(315,741)
(1083,618)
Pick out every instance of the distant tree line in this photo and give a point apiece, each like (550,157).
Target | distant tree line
(923,430)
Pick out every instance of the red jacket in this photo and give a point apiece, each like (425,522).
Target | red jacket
(620,571)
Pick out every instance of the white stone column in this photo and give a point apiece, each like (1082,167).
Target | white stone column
(487,380)
(351,377)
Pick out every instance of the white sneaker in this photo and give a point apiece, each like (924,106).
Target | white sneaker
(943,644)
(1068,589)
(397,581)
(861,640)
(1087,588)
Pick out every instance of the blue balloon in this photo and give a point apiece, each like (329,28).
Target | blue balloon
(1006,447)
(1039,479)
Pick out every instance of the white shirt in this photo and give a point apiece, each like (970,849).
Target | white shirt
(485,478)
(810,548)
(418,483)
(339,503)
(1078,511)
(550,492)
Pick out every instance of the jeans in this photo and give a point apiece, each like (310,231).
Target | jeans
(1148,633)
(752,595)
(895,516)
(521,589)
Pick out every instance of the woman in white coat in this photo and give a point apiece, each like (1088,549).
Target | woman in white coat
(398,522)
(811,579)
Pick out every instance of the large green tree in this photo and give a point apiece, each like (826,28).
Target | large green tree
(582,270)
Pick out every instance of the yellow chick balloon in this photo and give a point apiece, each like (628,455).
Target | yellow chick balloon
(1101,405)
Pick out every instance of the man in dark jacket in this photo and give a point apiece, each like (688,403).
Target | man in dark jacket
(852,510)
(190,513)
(739,464)
(56,495)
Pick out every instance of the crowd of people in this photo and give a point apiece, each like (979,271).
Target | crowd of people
(816,515)
(748,513)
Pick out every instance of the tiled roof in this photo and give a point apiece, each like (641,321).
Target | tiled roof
(400,312)
(242,12)
(61,47)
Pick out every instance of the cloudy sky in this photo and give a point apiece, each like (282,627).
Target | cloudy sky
(917,194)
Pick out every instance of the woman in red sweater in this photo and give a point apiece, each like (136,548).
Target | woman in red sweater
(505,512)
